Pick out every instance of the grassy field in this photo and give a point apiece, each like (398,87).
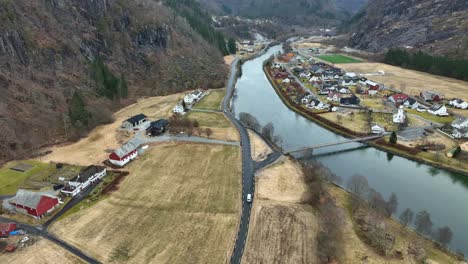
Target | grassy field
(11,180)
(336,58)
(432,118)
(42,252)
(414,82)
(180,204)
(282,228)
(211,101)
(210,119)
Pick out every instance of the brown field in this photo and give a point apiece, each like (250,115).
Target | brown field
(92,149)
(180,204)
(414,81)
(282,230)
(259,149)
(42,252)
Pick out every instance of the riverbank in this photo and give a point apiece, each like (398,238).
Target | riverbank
(395,149)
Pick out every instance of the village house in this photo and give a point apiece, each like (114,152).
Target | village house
(335,97)
(400,116)
(348,82)
(135,121)
(33,204)
(314,79)
(85,178)
(398,98)
(350,100)
(317,104)
(460,123)
(125,153)
(376,129)
(178,109)
(287,80)
(344,90)
(458,103)
(460,133)
(372,85)
(307,98)
(193,97)
(157,127)
(438,110)
(431,96)
(411,103)
(363,81)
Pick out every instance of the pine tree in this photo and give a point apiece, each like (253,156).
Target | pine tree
(393,138)
(232,46)
(123,87)
(77,111)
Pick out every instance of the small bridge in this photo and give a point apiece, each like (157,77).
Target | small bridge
(361,139)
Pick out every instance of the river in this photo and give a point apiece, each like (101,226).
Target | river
(419,187)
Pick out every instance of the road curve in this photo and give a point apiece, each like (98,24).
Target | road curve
(248,184)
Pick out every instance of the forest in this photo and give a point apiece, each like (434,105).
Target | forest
(440,65)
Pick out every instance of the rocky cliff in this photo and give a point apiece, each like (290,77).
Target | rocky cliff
(435,26)
(47,48)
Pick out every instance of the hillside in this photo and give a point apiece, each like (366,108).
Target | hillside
(434,26)
(54,50)
(303,13)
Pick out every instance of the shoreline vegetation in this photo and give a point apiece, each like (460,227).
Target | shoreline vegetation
(383,145)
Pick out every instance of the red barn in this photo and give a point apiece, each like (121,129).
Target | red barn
(125,154)
(34,204)
(6,228)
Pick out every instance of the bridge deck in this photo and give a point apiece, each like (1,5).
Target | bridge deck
(362,139)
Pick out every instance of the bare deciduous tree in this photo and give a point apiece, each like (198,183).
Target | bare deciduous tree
(208,132)
(249,121)
(406,217)
(358,185)
(423,223)
(444,235)
(392,204)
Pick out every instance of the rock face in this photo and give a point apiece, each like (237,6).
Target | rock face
(436,26)
(47,48)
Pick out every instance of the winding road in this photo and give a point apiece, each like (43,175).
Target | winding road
(248,184)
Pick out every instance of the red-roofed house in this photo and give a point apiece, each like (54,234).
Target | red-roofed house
(125,154)
(398,98)
(33,204)
(6,228)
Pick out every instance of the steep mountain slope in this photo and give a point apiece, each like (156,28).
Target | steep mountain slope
(436,26)
(47,50)
(350,6)
(303,12)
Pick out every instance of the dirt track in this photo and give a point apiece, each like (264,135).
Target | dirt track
(282,230)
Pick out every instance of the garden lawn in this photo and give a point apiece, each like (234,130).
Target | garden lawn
(212,101)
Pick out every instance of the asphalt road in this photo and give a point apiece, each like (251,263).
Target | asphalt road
(248,184)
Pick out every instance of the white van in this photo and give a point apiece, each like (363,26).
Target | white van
(249,198)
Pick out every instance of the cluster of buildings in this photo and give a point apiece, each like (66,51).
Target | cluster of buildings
(188,101)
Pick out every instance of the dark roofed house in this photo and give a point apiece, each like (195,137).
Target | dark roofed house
(87,177)
(350,100)
(33,204)
(135,121)
(157,127)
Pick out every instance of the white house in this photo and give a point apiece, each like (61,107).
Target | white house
(87,177)
(335,97)
(460,123)
(411,103)
(376,129)
(287,80)
(317,104)
(351,74)
(193,97)
(348,82)
(306,99)
(460,133)
(178,109)
(400,116)
(459,103)
(438,110)
(344,90)
(314,79)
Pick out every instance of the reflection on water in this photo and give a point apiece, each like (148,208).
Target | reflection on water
(418,186)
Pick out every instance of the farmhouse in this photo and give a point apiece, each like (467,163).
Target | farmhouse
(398,98)
(87,177)
(125,154)
(438,110)
(372,85)
(431,96)
(157,127)
(134,121)
(6,228)
(32,203)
